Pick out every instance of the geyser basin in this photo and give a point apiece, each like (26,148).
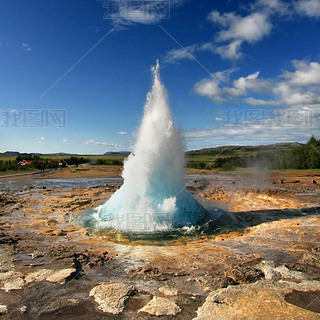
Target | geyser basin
(153,196)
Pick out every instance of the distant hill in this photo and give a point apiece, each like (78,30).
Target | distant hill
(242,150)
(59,154)
(11,153)
(117,152)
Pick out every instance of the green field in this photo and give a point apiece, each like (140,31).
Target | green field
(5,157)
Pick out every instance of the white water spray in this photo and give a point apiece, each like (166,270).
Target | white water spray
(153,196)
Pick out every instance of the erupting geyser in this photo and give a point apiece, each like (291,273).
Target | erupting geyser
(153,196)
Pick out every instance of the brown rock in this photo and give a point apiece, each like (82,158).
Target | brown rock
(61,276)
(12,280)
(263,300)
(168,291)
(245,272)
(161,307)
(111,296)
(312,258)
(3,309)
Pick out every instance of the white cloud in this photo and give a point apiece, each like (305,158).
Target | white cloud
(209,88)
(251,28)
(213,88)
(260,102)
(296,91)
(300,86)
(271,7)
(65,140)
(217,120)
(230,51)
(98,143)
(41,139)
(185,53)
(122,133)
(236,30)
(26,46)
(305,73)
(296,123)
(310,8)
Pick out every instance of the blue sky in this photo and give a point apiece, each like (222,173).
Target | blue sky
(75,73)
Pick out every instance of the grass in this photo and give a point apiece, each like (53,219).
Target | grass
(119,157)
(4,157)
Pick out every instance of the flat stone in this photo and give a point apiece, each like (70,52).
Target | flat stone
(263,300)
(61,276)
(39,275)
(161,307)
(3,309)
(12,280)
(111,296)
(168,291)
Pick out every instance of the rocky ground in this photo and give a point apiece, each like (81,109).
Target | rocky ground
(266,265)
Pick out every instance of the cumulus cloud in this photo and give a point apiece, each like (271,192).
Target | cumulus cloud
(251,28)
(122,133)
(213,88)
(260,102)
(300,86)
(310,8)
(98,143)
(305,73)
(271,7)
(230,51)
(236,29)
(292,124)
(294,93)
(175,55)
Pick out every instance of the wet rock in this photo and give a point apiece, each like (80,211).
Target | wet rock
(210,283)
(263,300)
(6,199)
(271,272)
(161,307)
(309,300)
(245,272)
(3,309)
(89,258)
(61,276)
(7,239)
(111,296)
(168,291)
(146,273)
(312,258)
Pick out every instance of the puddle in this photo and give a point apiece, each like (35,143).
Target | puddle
(309,300)
(25,184)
